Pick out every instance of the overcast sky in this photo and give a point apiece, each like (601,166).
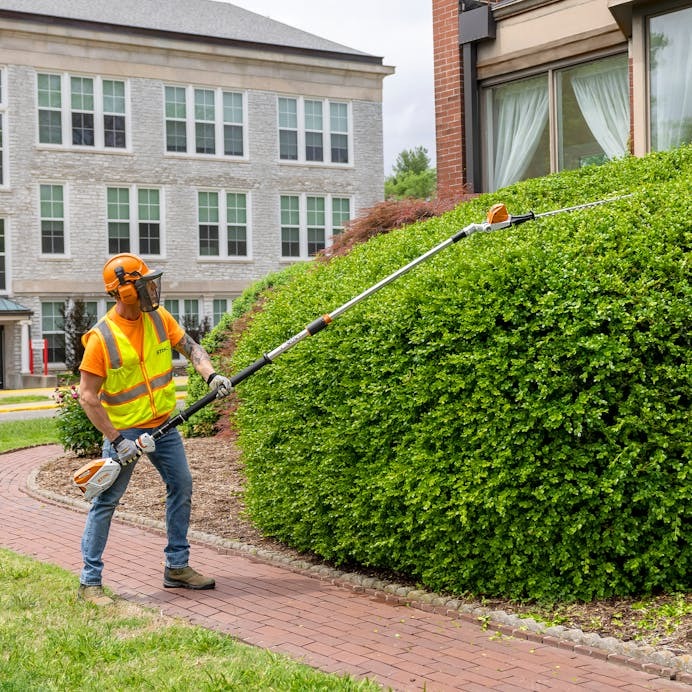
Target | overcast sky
(400,31)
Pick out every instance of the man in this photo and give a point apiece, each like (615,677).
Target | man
(127,390)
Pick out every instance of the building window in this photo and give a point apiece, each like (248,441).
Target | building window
(220,308)
(309,222)
(52,326)
(93,109)
(589,104)
(670,78)
(134,220)
(3,105)
(208,122)
(3,255)
(323,135)
(223,224)
(186,312)
(52,220)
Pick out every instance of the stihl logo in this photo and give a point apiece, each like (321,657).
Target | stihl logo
(161,350)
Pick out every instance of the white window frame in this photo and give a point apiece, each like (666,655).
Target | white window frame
(66,215)
(4,171)
(326,132)
(222,199)
(219,122)
(134,220)
(331,230)
(4,255)
(66,113)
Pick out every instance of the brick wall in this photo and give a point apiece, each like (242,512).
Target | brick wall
(449,100)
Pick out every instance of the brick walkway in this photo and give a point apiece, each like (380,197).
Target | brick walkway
(326,625)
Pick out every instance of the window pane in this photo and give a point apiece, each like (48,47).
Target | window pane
(316,224)
(208,203)
(290,226)
(670,68)
(220,308)
(232,140)
(3,270)
(314,151)
(149,238)
(288,114)
(204,105)
(148,205)
(208,212)
(205,138)
(118,211)
(233,108)
(83,129)
(338,125)
(518,135)
(49,114)
(288,145)
(341,213)
(176,130)
(592,112)
(113,96)
(114,131)
(82,93)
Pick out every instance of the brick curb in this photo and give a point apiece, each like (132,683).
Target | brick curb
(661,662)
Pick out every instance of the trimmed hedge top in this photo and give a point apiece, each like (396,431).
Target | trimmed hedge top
(510,418)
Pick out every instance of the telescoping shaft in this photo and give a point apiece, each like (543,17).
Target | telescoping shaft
(497,218)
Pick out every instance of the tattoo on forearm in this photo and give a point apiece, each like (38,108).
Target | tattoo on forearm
(192,350)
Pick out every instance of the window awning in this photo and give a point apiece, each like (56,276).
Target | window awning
(9,307)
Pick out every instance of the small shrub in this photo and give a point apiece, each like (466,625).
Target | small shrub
(76,432)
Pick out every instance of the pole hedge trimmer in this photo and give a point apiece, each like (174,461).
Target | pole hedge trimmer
(96,476)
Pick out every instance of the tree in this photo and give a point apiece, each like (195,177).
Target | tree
(412,176)
(76,322)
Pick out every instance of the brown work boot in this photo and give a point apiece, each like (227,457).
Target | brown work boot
(186,578)
(93,594)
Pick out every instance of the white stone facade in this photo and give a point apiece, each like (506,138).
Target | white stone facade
(146,62)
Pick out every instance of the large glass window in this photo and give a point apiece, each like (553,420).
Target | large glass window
(208,122)
(670,77)
(3,255)
(323,134)
(593,112)
(309,222)
(223,224)
(589,104)
(52,219)
(52,328)
(92,109)
(134,220)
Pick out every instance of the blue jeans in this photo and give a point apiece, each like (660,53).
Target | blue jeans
(171,463)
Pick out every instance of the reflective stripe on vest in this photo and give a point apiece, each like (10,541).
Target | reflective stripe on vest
(136,391)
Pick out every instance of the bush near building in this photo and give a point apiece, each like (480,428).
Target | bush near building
(512,417)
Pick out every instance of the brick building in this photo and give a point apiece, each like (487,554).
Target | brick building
(217,143)
(528,87)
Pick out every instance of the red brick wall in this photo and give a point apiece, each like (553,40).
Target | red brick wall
(449,100)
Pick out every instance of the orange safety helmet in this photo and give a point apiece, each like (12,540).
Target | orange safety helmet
(126,276)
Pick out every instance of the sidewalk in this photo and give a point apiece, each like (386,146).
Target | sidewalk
(330,626)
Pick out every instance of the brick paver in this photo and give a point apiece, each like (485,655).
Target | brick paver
(326,625)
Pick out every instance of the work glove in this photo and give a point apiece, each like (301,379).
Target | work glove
(221,384)
(127,450)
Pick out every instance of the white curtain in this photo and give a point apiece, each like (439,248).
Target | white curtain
(602,93)
(671,79)
(521,116)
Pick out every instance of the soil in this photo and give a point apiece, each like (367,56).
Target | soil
(218,509)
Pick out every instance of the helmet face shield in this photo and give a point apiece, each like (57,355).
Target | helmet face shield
(149,291)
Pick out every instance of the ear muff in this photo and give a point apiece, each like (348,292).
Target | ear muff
(126,289)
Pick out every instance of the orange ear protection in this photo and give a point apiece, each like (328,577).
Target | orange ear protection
(126,289)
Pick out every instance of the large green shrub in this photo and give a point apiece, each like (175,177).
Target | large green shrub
(510,418)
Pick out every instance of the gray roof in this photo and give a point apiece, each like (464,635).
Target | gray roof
(195,18)
(9,306)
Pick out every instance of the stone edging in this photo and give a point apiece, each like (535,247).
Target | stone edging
(659,662)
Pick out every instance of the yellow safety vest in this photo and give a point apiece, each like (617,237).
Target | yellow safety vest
(135,391)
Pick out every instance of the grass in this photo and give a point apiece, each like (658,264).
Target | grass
(22,399)
(51,641)
(27,433)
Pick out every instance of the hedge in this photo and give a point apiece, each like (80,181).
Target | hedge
(511,418)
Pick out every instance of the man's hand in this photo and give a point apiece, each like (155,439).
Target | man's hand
(127,450)
(221,384)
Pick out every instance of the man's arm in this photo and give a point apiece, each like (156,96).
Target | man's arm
(196,355)
(89,388)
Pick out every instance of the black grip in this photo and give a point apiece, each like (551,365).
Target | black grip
(317,325)
(250,370)
(522,218)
